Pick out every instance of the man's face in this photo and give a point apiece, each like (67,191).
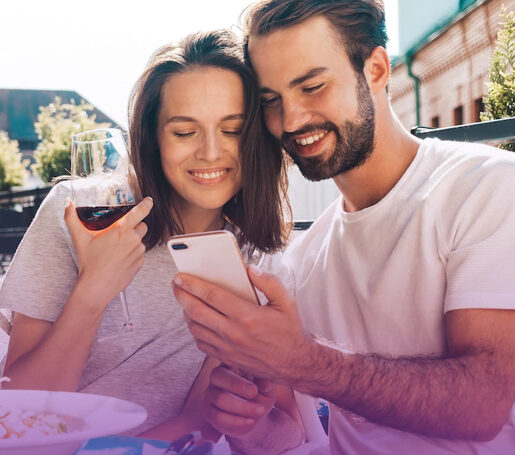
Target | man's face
(313,100)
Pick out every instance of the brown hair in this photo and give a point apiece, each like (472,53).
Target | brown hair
(259,207)
(360,24)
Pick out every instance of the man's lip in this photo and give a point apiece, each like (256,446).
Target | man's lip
(310,150)
(309,134)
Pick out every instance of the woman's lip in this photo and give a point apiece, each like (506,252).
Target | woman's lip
(209,181)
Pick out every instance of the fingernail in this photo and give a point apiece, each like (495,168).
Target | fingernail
(177,280)
(255,270)
(149,199)
(260,410)
(67,202)
(249,421)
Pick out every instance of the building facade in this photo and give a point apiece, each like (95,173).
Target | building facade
(450,66)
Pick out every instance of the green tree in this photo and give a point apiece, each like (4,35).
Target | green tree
(56,125)
(500,99)
(13,170)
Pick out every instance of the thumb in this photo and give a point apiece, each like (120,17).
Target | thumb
(77,231)
(269,285)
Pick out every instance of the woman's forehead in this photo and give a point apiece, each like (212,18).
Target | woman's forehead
(203,91)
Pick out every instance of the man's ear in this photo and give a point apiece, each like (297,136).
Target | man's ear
(377,69)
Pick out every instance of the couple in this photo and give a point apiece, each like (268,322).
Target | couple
(404,285)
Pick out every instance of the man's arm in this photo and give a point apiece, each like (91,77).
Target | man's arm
(468,394)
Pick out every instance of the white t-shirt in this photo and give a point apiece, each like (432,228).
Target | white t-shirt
(381,279)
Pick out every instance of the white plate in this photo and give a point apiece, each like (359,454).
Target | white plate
(89,416)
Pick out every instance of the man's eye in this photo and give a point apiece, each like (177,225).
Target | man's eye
(312,88)
(269,102)
(184,133)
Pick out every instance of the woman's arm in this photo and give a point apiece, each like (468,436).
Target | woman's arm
(51,356)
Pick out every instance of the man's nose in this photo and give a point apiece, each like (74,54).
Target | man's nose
(294,116)
(210,147)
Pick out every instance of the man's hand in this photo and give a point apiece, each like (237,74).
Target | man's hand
(266,341)
(233,405)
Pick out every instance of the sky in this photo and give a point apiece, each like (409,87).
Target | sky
(99,48)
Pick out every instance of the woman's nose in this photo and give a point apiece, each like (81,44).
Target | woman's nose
(210,148)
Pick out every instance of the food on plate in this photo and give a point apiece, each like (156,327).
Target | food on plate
(18,423)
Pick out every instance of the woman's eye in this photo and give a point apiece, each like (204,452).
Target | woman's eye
(312,88)
(184,133)
(269,102)
(232,132)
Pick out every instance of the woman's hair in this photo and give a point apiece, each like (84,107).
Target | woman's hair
(258,209)
(359,24)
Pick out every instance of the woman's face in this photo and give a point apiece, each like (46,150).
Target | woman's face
(200,121)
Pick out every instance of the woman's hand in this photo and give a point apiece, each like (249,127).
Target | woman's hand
(234,405)
(109,259)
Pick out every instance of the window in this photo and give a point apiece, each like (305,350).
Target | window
(435,122)
(458,115)
(479,107)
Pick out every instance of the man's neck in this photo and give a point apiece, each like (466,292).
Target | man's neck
(393,152)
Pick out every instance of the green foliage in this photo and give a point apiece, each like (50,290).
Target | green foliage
(13,170)
(500,99)
(56,125)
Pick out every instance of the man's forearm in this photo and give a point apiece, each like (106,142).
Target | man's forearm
(461,397)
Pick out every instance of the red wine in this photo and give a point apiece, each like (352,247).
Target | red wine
(99,217)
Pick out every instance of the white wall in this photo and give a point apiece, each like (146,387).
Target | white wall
(309,199)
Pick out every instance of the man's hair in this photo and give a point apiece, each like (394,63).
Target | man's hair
(360,24)
(259,207)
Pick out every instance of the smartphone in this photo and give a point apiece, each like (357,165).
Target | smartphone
(215,257)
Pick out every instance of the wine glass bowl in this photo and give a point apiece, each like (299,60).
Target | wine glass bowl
(100,170)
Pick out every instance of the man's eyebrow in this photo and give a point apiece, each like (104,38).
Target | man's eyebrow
(311,73)
(298,80)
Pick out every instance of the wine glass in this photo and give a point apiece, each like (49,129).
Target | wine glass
(101,192)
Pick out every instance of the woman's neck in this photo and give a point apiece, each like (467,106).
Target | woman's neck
(196,219)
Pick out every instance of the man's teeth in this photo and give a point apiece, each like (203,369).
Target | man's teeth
(310,139)
(209,175)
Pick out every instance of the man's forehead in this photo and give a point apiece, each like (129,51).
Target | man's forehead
(292,51)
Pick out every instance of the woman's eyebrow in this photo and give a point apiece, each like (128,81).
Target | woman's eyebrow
(233,117)
(180,118)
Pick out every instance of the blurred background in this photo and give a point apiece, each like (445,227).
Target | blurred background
(93,52)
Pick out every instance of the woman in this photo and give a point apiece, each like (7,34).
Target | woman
(201,153)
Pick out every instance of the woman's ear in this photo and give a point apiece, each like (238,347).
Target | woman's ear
(377,69)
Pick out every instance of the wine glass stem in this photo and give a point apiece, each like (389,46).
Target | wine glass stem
(125,310)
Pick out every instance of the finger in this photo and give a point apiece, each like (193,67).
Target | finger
(221,300)
(137,214)
(269,285)
(233,404)
(78,232)
(201,313)
(141,229)
(229,423)
(226,379)
(266,387)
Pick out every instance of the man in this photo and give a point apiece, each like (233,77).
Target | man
(410,274)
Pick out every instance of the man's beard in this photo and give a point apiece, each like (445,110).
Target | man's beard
(354,141)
